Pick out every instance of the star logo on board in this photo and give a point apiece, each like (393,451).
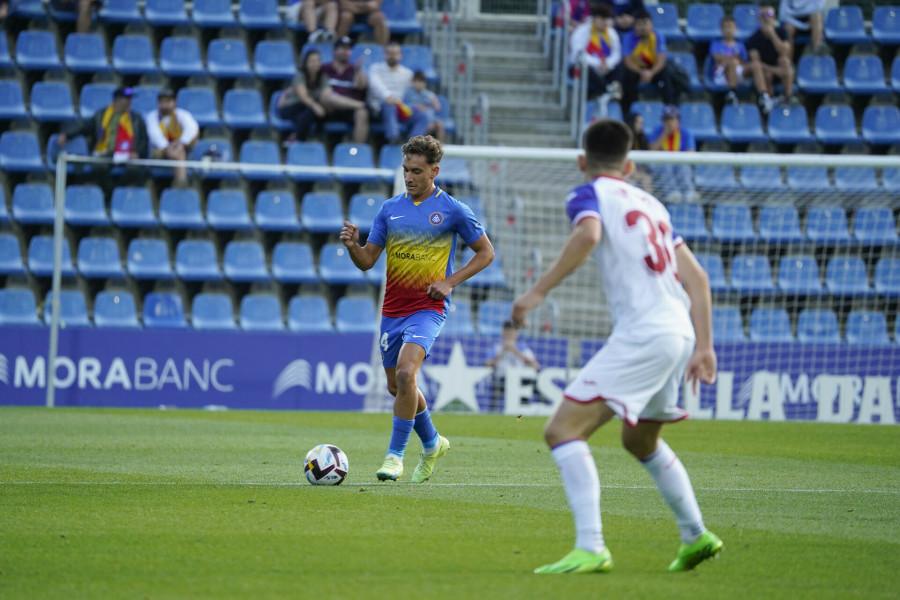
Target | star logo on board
(457,380)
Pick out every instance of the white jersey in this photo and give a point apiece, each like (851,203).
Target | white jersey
(636,257)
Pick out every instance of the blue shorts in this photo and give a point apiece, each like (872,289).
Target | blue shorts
(420,328)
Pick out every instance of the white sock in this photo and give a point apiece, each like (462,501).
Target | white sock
(582,485)
(675,487)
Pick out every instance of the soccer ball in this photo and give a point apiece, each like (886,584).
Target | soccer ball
(326,465)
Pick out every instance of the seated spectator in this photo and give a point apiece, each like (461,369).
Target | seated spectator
(676,182)
(625,13)
(770,57)
(644,55)
(172,131)
(640,175)
(420,98)
(314,13)
(83,10)
(349,81)
(730,58)
(364,11)
(388,82)
(509,353)
(804,15)
(596,44)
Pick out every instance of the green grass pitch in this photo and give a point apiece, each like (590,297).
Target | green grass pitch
(192,504)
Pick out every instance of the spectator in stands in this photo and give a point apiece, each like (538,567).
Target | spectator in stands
(804,15)
(388,82)
(364,11)
(83,10)
(730,59)
(349,81)
(508,353)
(644,55)
(640,175)
(420,98)
(579,12)
(596,44)
(172,131)
(313,13)
(770,57)
(626,13)
(676,182)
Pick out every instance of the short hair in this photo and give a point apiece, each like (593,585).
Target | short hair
(642,15)
(419,76)
(727,19)
(424,145)
(606,143)
(602,9)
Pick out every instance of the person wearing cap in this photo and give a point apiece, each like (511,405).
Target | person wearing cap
(349,80)
(770,57)
(172,131)
(366,12)
(674,182)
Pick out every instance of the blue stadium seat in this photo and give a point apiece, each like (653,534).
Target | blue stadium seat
(799,275)
(115,310)
(770,325)
(12,100)
(292,262)
(491,276)
(874,226)
(867,327)
(85,53)
(51,102)
(420,58)
(274,59)
(133,55)
(761,179)
(6,60)
(881,125)
(212,311)
(886,25)
(11,262)
(703,22)
(699,119)
(844,26)
(259,14)
(326,50)
(226,210)
(261,312)
(886,279)
(365,55)
(307,154)
(741,123)
(179,208)
(491,316)
(29,9)
(363,208)
(132,207)
(20,152)
(227,58)
(459,319)
(261,152)
(201,103)
(72,309)
(827,225)
(687,62)
(895,74)
(818,75)
(846,276)
(321,212)
(836,125)
(196,260)
(354,156)
(746,17)
(780,224)
(243,109)
(32,204)
(40,257)
(336,268)
(818,326)
(890,180)
(274,120)
(390,157)
(180,57)
(809,180)
(401,17)
(145,98)
(121,11)
(85,206)
(245,261)
(213,14)
(651,110)
(4,213)
(858,181)
(454,172)
(445,114)
(355,315)
(309,314)
(94,97)
(276,210)
(727,324)
(789,125)
(751,274)
(689,221)
(166,13)
(17,307)
(712,264)
(665,21)
(164,310)
(99,258)
(214,150)
(77,146)
(864,75)
(732,223)
(37,51)
(148,258)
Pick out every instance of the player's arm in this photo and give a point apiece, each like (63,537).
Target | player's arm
(484,255)
(702,365)
(363,257)
(584,237)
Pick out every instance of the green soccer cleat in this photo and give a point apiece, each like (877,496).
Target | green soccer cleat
(391,469)
(426,461)
(580,561)
(708,545)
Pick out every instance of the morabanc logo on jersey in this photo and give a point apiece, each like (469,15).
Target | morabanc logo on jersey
(436,218)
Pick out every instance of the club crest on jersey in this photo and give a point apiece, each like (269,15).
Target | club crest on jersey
(436,218)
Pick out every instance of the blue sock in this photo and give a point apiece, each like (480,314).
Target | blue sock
(400,435)
(426,431)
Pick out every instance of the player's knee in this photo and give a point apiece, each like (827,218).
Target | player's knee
(554,434)
(406,376)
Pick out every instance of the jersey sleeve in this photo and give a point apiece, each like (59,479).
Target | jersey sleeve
(582,203)
(468,227)
(378,233)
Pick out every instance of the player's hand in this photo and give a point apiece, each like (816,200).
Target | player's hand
(439,290)
(523,305)
(701,367)
(350,234)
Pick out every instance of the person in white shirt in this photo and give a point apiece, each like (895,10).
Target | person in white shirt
(172,131)
(596,43)
(660,302)
(388,82)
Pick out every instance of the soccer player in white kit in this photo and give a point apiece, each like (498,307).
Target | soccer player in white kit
(660,302)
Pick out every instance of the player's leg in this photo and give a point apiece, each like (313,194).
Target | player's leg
(402,383)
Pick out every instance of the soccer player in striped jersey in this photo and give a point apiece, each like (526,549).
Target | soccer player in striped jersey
(660,303)
(419,230)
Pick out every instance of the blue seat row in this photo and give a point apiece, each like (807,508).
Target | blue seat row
(814,326)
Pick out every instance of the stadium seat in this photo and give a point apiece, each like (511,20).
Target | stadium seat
(180,57)
(651,110)
(836,125)
(809,180)
(881,125)
(226,210)
(132,207)
(259,14)
(99,258)
(358,156)
(703,22)
(864,75)
(886,279)
(699,119)
(17,307)
(121,11)
(715,270)
(665,21)
(779,224)
(72,309)
(770,325)
(732,223)
(401,17)
(846,276)
(799,275)
(37,51)
(11,262)
(827,225)
(858,181)
(213,150)
(689,221)
(32,204)
(179,208)
(818,75)
(326,50)
(491,316)
(261,312)
(746,18)
(4,213)
(687,62)
(321,212)
(164,310)
(818,326)
(867,327)
(74,146)
(886,25)
(227,58)
(29,9)
(789,125)
(727,324)
(115,310)
(445,114)
(145,98)
(895,74)
(459,319)
(213,14)
(420,58)
(365,55)
(201,103)
(245,261)
(40,257)
(844,26)
(454,172)
(243,109)
(355,315)
(751,274)
(51,102)
(148,258)
(94,97)
(890,180)
(85,53)
(274,120)
(20,152)
(276,210)
(133,55)
(336,268)
(212,311)
(274,59)
(307,154)
(196,260)
(12,100)
(309,314)
(292,262)
(264,152)
(166,13)
(6,60)
(761,179)
(741,123)
(85,206)
(363,208)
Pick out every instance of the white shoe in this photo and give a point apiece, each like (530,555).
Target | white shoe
(766,103)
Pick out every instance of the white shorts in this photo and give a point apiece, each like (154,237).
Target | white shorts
(719,75)
(637,380)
